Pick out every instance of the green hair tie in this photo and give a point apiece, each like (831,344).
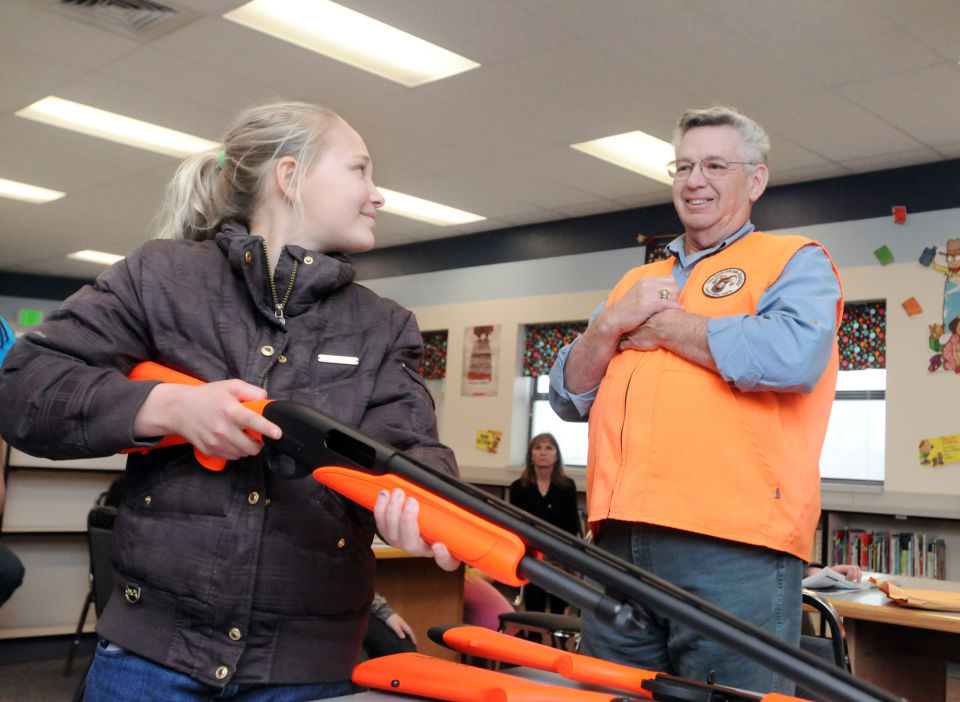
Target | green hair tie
(221,154)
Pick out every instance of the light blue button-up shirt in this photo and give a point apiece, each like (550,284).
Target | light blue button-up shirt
(784,347)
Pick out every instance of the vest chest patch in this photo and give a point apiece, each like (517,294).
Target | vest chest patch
(725,282)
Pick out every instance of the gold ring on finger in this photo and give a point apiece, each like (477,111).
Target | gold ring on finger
(663,293)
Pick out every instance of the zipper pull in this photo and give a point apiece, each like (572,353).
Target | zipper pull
(278,311)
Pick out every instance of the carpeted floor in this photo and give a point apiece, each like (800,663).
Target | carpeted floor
(40,681)
(31,670)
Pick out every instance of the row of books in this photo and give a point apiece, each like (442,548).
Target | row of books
(906,553)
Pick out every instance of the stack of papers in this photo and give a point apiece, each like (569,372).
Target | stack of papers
(827,579)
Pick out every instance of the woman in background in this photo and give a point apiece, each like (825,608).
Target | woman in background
(545,491)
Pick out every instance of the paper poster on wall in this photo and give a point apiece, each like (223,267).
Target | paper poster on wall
(481,361)
(944,336)
(939,450)
(488,440)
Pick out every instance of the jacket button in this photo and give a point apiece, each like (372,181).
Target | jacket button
(147,500)
(266,350)
(234,634)
(221,672)
(308,260)
(266,502)
(282,358)
(131,593)
(342,542)
(253,498)
(248,257)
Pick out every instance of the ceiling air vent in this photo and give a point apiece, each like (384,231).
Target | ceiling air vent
(142,19)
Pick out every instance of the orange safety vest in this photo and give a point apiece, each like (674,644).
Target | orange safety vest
(673,444)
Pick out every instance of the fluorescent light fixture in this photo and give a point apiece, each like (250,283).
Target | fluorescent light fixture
(107,259)
(424,210)
(635,151)
(27,193)
(109,125)
(353,38)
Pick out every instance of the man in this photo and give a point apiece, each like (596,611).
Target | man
(708,380)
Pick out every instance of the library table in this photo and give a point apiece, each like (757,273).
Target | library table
(900,649)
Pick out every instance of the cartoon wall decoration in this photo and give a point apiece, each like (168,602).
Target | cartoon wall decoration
(944,337)
(938,450)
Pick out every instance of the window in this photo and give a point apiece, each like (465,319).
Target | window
(571,436)
(854,447)
(433,368)
(541,345)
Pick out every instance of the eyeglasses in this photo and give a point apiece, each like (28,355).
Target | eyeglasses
(712,168)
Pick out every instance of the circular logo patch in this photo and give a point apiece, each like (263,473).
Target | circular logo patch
(725,282)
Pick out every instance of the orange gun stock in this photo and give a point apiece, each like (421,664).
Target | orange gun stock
(148,370)
(477,641)
(417,674)
(472,539)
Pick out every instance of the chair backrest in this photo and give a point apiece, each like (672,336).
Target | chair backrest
(833,649)
(831,619)
(99,535)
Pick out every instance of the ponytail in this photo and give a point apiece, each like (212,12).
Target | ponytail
(211,188)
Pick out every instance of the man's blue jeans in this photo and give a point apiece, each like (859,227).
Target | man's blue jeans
(117,674)
(757,584)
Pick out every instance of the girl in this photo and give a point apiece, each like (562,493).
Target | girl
(235,583)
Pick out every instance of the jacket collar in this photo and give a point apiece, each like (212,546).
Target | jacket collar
(317,274)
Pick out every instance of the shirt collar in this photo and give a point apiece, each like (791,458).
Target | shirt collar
(676,247)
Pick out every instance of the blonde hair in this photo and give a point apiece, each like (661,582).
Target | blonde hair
(211,188)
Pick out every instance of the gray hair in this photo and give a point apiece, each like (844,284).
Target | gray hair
(211,188)
(754,142)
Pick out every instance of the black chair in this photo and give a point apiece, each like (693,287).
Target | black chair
(99,533)
(830,643)
(563,629)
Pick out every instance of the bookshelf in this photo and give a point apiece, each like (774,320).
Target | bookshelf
(878,527)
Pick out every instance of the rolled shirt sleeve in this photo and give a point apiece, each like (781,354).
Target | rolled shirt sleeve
(786,346)
(570,407)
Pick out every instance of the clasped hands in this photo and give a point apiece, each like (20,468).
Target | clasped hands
(637,314)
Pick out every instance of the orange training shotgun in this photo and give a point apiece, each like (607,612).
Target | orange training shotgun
(505,542)
(486,643)
(477,641)
(424,676)
(476,541)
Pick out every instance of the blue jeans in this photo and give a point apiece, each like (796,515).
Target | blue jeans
(117,674)
(756,584)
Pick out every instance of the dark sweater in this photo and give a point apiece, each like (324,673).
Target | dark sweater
(237,576)
(558,506)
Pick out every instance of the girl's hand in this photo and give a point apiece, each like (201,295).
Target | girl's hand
(396,517)
(209,416)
